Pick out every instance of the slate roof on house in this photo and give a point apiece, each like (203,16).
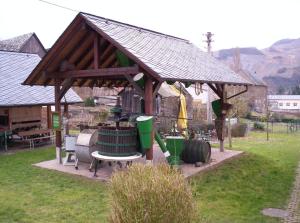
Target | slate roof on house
(168,56)
(14,68)
(284,97)
(163,56)
(251,77)
(15,44)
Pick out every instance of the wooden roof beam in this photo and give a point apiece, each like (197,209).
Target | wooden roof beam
(96,52)
(137,87)
(214,89)
(107,62)
(94,73)
(66,85)
(237,94)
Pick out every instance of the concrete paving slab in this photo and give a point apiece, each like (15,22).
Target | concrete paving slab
(105,171)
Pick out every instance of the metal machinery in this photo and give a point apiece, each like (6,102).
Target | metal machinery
(85,145)
(70,142)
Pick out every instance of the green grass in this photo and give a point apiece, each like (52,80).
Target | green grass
(31,194)
(261,178)
(235,192)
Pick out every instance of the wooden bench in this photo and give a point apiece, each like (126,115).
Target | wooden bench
(33,136)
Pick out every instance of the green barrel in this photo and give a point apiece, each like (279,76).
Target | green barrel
(175,145)
(120,141)
(145,127)
(196,151)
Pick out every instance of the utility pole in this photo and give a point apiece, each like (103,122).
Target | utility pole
(209,40)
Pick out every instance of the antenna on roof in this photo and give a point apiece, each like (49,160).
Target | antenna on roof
(209,40)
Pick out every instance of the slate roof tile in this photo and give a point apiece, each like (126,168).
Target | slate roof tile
(170,57)
(14,69)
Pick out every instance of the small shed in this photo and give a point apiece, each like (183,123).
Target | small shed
(26,43)
(91,47)
(21,106)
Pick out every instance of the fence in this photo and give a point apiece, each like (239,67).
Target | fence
(275,127)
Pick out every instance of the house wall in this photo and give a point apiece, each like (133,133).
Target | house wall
(23,117)
(284,104)
(33,46)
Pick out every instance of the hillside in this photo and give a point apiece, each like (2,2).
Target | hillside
(278,65)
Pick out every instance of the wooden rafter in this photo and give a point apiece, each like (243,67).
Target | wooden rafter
(109,60)
(81,47)
(65,38)
(105,62)
(86,58)
(67,48)
(96,52)
(101,47)
(106,52)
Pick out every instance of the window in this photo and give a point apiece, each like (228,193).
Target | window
(288,104)
(295,104)
(280,104)
(4,120)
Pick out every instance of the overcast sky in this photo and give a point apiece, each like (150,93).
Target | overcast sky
(235,23)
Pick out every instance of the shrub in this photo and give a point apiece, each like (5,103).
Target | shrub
(258,126)
(239,130)
(103,115)
(150,194)
(89,102)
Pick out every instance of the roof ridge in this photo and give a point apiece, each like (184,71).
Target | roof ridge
(134,26)
(15,37)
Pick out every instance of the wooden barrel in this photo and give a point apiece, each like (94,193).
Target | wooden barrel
(117,142)
(196,151)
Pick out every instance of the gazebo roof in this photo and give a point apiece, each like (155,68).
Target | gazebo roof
(162,56)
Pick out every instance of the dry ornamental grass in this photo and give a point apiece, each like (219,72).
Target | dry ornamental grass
(147,194)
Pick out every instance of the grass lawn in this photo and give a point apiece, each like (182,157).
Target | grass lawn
(31,194)
(235,192)
(240,189)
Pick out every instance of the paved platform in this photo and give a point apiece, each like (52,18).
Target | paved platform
(105,171)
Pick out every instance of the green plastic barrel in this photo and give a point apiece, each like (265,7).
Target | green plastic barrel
(175,145)
(145,126)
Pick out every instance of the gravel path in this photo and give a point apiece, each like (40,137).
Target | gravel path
(294,203)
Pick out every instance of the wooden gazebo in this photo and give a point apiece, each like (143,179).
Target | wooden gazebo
(98,52)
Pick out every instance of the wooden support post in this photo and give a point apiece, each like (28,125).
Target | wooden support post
(223,115)
(58,142)
(149,111)
(49,118)
(66,115)
(267,116)
(229,133)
